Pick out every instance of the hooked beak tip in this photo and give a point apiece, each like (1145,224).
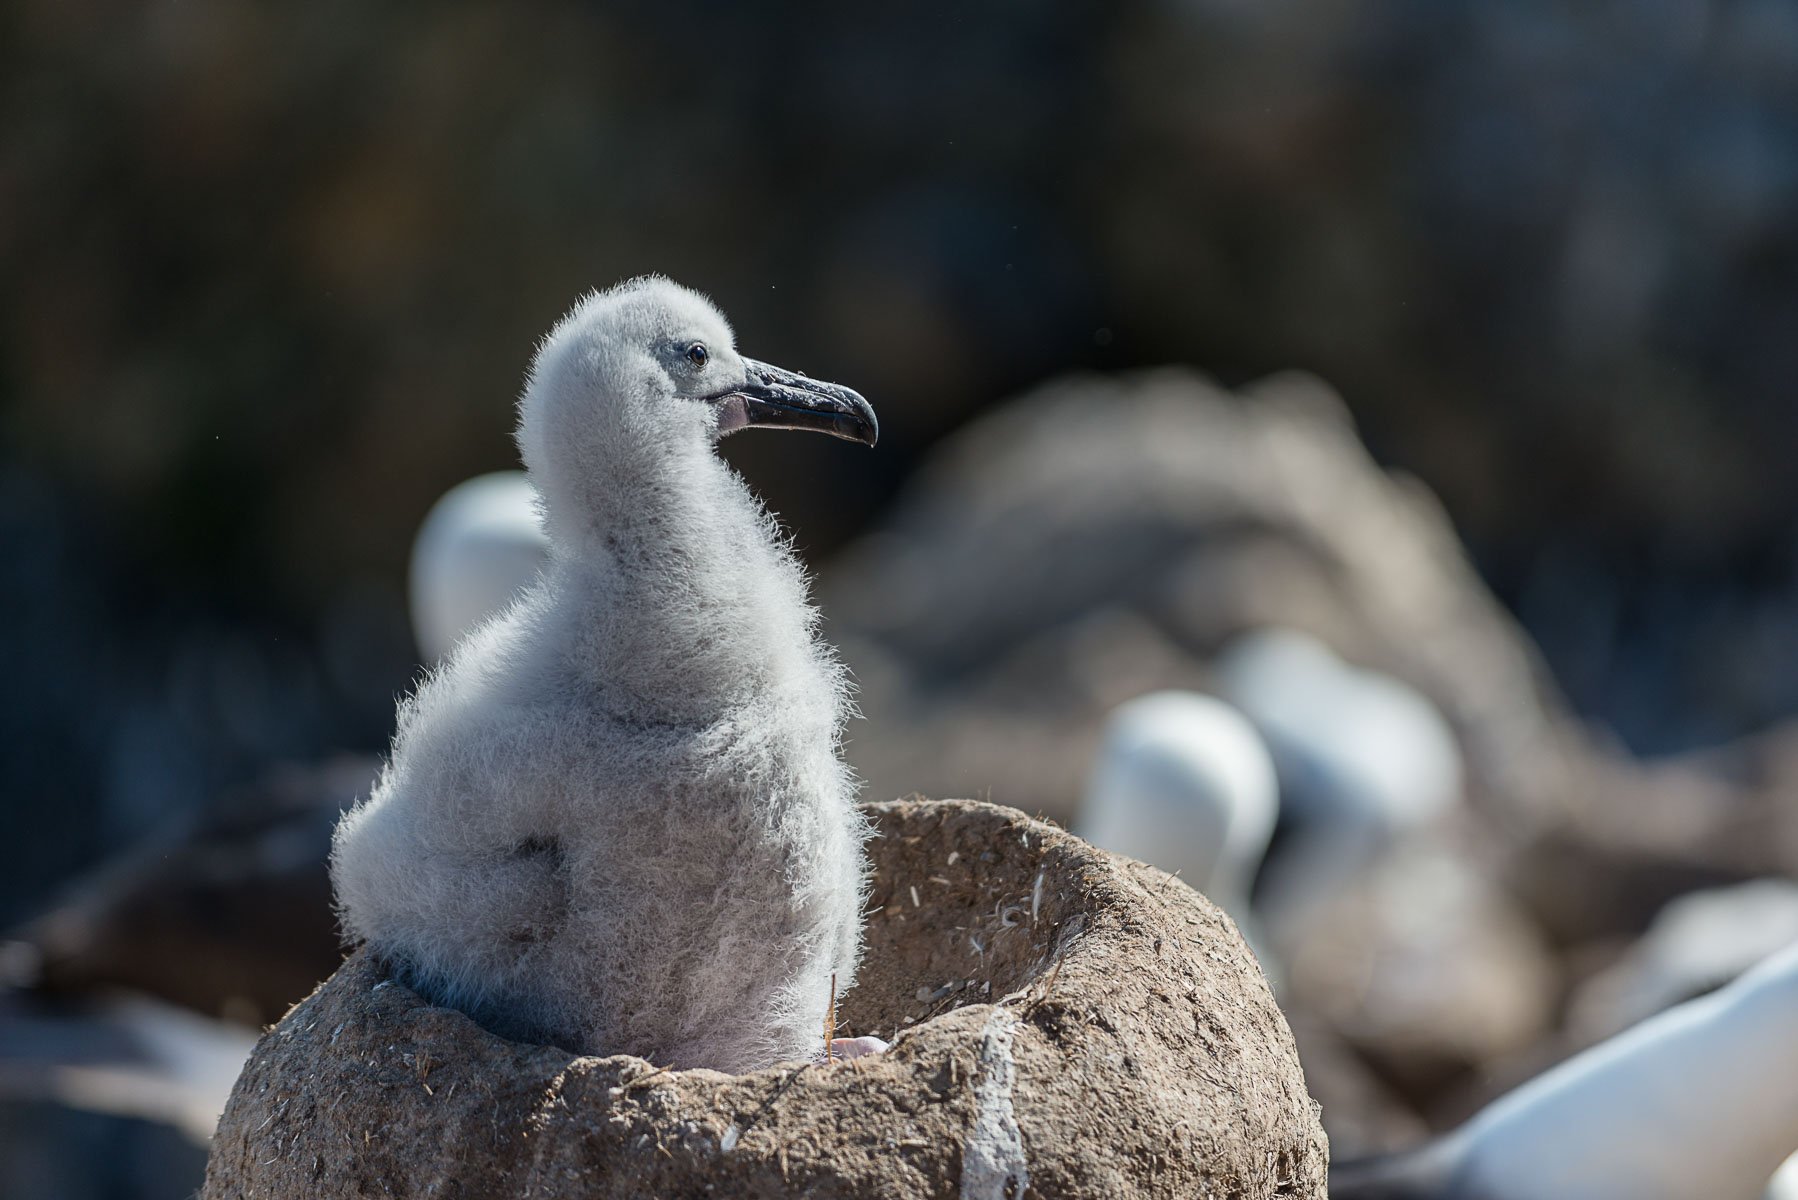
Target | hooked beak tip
(778,399)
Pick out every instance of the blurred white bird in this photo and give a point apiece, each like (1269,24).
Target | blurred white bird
(1362,760)
(480,546)
(1697,1103)
(1183,782)
(1784,1184)
(1696,943)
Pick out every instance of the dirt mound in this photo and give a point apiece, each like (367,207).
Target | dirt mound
(1066,1023)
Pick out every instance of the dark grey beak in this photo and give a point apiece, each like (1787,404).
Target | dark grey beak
(780,399)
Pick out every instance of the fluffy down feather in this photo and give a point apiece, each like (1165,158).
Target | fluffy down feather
(615,818)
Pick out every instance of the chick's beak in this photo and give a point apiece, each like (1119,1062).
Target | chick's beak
(778,399)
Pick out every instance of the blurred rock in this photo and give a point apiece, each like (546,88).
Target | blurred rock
(1648,831)
(1106,537)
(114,1098)
(1361,1114)
(1737,801)
(48,1149)
(1696,944)
(1102,536)
(126,1054)
(230,916)
(1425,966)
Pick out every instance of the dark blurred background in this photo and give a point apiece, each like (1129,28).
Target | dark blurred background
(272,275)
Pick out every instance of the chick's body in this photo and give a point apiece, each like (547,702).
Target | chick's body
(615,819)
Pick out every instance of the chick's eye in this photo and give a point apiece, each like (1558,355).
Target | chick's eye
(697,354)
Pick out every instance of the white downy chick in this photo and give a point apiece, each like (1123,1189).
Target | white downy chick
(615,818)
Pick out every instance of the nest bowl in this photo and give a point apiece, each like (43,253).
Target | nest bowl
(1065,1023)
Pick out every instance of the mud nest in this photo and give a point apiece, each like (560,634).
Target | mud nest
(1065,1023)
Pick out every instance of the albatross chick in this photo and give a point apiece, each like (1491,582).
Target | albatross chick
(615,818)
